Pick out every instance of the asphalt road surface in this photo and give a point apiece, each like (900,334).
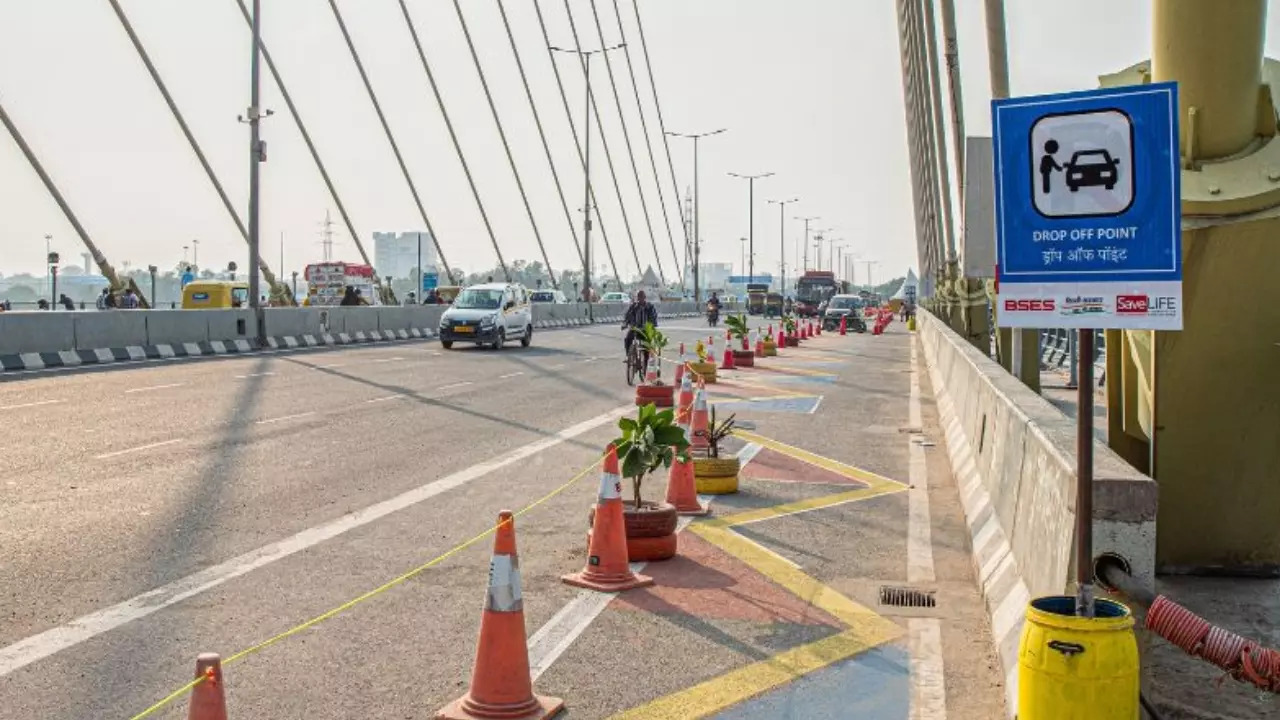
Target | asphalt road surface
(150,513)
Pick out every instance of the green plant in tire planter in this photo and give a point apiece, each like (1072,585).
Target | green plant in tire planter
(789,322)
(716,432)
(650,441)
(737,325)
(654,342)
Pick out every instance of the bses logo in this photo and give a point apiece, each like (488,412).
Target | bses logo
(1011,305)
(1131,304)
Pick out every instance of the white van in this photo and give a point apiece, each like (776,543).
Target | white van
(488,314)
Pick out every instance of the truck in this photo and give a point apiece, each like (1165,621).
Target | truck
(812,289)
(326,282)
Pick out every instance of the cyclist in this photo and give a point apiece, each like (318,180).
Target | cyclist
(640,313)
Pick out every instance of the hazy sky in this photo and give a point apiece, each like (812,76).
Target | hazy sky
(809,89)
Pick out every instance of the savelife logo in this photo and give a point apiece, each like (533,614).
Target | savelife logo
(1024,305)
(1131,304)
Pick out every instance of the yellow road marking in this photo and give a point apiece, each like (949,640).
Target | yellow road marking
(866,630)
(744,683)
(825,463)
(792,508)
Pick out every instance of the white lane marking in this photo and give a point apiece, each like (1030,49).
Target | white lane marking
(748,453)
(384,399)
(326,367)
(34,648)
(154,387)
(928,676)
(557,367)
(455,385)
(254,375)
(552,639)
(919,537)
(30,405)
(778,555)
(387,360)
(269,421)
(152,446)
(510,375)
(813,410)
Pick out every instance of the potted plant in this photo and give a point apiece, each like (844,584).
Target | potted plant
(716,473)
(653,390)
(744,356)
(704,368)
(650,441)
(789,323)
(770,344)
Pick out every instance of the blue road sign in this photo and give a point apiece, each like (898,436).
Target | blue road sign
(750,279)
(1088,211)
(430,281)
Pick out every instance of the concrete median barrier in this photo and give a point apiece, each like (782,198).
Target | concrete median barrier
(36,332)
(1013,454)
(113,329)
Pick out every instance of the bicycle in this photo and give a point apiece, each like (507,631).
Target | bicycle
(636,360)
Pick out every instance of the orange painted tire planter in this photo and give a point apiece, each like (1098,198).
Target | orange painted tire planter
(705,371)
(660,395)
(744,358)
(649,549)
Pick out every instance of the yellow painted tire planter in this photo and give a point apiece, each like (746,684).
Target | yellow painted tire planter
(705,371)
(716,476)
(770,348)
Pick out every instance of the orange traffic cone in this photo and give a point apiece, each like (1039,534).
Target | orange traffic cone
(208,701)
(699,429)
(728,337)
(727,363)
(684,407)
(682,490)
(759,343)
(680,366)
(817,328)
(500,683)
(843,319)
(607,569)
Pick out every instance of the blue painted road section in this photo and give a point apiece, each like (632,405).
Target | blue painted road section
(780,405)
(875,685)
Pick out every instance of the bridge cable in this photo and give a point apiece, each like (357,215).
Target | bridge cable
(502,134)
(662,127)
(577,144)
(648,143)
(604,140)
(191,138)
(395,148)
(537,120)
(311,146)
(626,136)
(457,146)
(107,271)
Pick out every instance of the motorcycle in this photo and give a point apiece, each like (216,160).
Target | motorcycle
(713,315)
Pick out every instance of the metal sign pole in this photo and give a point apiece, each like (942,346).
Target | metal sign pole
(1084,480)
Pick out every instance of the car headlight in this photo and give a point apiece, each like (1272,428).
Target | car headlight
(488,320)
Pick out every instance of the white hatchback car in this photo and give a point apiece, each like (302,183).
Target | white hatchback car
(488,314)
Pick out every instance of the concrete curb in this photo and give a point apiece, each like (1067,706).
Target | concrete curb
(164,351)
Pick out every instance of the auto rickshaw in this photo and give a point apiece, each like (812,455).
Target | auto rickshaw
(446,293)
(773,305)
(755,302)
(215,294)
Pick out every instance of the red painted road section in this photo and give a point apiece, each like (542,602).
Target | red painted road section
(776,467)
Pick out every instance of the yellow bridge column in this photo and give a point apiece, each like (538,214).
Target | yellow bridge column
(1200,409)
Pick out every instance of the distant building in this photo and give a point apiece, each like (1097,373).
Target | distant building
(711,276)
(396,254)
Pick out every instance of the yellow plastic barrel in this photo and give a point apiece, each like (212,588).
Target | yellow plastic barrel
(1073,668)
(911,324)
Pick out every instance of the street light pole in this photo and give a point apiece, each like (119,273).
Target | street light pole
(743,256)
(697,208)
(195,254)
(782,241)
(805,244)
(255,157)
(751,217)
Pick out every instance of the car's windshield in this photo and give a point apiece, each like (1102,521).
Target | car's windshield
(846,303)
(475,299)
(1095,157)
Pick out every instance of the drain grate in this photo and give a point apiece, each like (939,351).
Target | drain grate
(907,597)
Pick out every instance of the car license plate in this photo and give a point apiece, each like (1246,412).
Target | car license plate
(464,329)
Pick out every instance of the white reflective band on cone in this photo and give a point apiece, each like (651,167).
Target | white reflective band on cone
(504,585)
(610,487)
